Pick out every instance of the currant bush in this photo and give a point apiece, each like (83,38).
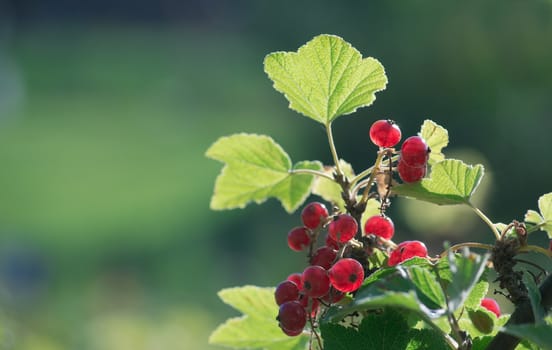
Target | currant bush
(352,276)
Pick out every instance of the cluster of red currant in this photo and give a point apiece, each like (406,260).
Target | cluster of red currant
(335,270)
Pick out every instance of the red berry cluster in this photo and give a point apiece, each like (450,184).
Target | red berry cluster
(412,163)
(336,268)
(328,277)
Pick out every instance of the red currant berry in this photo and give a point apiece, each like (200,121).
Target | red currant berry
(324,256)
(298,238)
(346,275)
(491,305)
(414,151)
(292,316)
(310,304)
(286,291)
(333,296)
(381,226)
(316,282)
(385,133)
(330,242)
(314,214)
(297,279)
(343,228)
(409,173)
(407,250)
(291,333)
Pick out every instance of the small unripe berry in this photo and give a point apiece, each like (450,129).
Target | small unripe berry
(381,226)
(286,291)
(314,214)
(405,251)
(316,282)
(414,151)
(343,228)
(385,133)
(346,275)
(298,239)
(491,305)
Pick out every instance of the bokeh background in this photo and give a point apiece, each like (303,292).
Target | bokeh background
(107,107)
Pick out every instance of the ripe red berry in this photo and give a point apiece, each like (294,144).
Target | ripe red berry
(297,279)
(414,151)
(316,282)
(343,228)
(314,214)
(491,305)
(385,133)
(324,256)
(409,173)
(292,317)
(310,304)
(330,242)
(407,250)
(346,275)
(291,333)
(286,291)
(381,226)
(298,238)
(333,296)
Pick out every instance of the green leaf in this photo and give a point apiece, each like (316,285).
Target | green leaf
(540,334)
(392,287)
(481,343)
(482,320)
(436,138)
(257,328)
(325,78)
(533,217)
(257,168)
(545,207)
(478,292)
(466,272)
(427,287)
(451,182)
(386,331)
(535,298)
(330,190)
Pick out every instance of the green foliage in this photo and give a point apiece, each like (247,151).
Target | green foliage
(325,78)
(543,220)
(437,138)
(451,182)
(466,272)
(328,189)
(540,334)
(257,328)
(257,168)
(385,331)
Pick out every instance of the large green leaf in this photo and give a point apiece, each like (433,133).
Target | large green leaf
(325,78)
(437,138)
(451,182)
(544,218)
(257,328)
(386,331)
(427,287)
(257,168)
(540,334)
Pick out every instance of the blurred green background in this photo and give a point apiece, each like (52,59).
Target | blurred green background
(106,110)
